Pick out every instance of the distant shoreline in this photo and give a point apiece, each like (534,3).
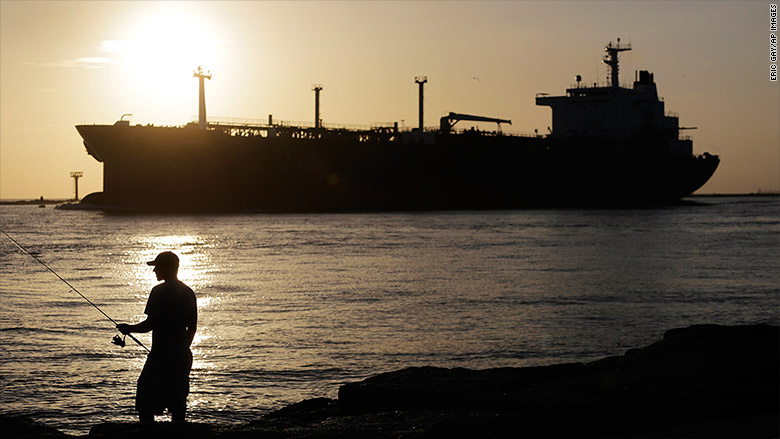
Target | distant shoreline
(45,201)
(31,202)
(752,194)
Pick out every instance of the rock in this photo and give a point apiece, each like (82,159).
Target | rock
(161,430)
(21,427)
(695,377)
(431,387)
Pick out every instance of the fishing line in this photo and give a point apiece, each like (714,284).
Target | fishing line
(72,288)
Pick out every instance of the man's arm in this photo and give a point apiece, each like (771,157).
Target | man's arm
(145,326)
(191,333)
(192,324)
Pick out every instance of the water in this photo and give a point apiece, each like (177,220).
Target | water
(292,306)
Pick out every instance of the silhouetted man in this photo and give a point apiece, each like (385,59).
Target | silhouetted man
(172,316)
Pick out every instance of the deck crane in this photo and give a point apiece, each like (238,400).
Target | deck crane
(448,121)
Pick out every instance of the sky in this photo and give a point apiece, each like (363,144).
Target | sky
(67,63)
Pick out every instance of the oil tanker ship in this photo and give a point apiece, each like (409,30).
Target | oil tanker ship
(608,146)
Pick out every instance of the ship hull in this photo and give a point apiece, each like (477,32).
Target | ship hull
(190,170)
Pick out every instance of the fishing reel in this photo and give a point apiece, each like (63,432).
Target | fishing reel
(119,341)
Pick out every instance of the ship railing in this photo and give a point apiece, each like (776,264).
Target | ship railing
(257,123)
(335,126)
(672,114)
(503,132)
(494,133)
(222,121)
(235,121)
(408,129)
(597,84)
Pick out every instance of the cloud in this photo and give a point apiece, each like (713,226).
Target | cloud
(96,60)
(93,62)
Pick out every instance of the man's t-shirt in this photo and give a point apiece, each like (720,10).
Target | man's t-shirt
(173,309)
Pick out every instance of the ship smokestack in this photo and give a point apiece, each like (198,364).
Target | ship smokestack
(317,88)
(421,80)
(202,124)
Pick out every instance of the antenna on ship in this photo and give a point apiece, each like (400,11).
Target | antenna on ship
(611,59)
(421,80)
(76,175)
(317,89)
(202,97)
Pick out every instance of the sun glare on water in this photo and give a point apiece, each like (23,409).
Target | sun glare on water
(194,267)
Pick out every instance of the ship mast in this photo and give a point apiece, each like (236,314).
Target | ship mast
(317,89)
(611,59)
(421,80)
(202,97)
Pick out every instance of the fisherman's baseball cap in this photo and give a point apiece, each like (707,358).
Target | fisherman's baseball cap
(165,259)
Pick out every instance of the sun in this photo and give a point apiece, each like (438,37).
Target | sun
(165,46)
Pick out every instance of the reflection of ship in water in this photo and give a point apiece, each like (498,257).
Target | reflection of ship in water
(609,145)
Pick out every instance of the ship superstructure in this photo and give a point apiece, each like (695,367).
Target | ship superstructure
(609,146)
(614,113)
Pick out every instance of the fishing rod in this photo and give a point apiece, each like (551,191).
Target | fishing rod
(117,340)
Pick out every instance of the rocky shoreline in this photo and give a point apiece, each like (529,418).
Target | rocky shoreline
(702,381)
